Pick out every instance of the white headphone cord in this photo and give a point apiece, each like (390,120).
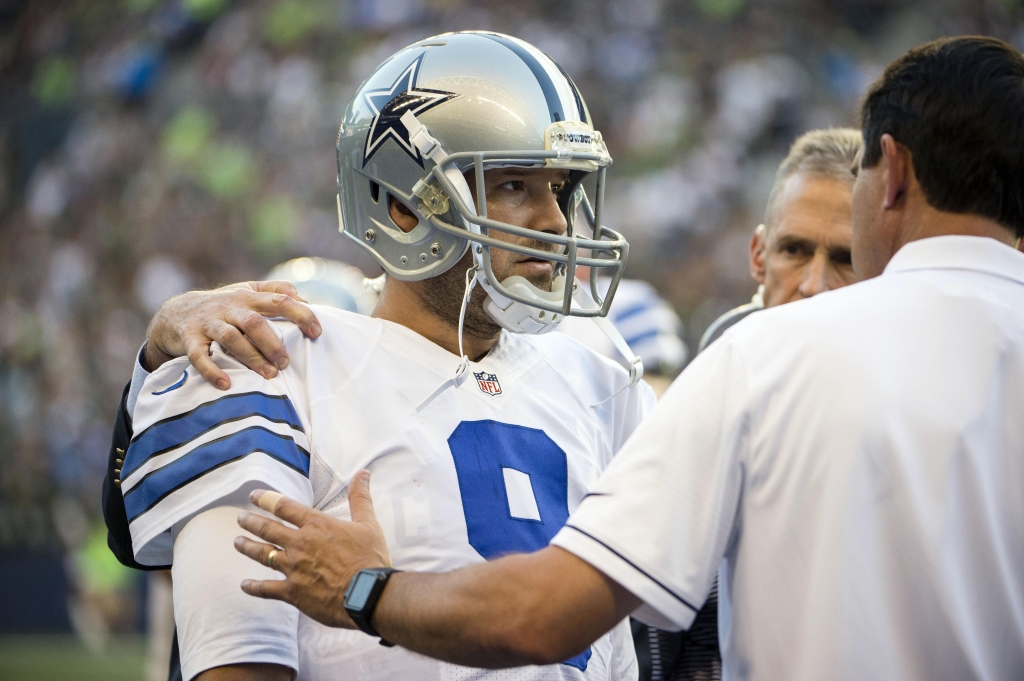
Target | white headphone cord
(463,371)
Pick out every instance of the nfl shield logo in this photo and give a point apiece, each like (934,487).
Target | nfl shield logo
(488,383)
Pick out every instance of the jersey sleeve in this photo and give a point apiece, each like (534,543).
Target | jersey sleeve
(660,517)
(195,445)
(219,624)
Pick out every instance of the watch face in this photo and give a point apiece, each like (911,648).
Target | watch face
(361,590)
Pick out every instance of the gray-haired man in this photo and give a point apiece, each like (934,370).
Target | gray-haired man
(803,247)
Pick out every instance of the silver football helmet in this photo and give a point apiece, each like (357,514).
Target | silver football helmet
(465,102)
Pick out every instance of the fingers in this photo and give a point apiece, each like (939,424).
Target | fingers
(284,508)
(292,511)
(279,286)
(260,552)
(267,529)
(275,589)
(234,317)
(359,501)
(268,500)
(282,305)
(262,351)
(198,351)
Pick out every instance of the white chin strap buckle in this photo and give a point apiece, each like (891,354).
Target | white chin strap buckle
(519,317)
(522,318)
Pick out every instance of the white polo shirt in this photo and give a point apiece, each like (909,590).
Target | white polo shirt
(858,460)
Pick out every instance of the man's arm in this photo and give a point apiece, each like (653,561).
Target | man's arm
(540,608)
(234,316)
(119,537)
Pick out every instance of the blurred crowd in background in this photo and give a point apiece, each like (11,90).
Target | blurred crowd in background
(152,146)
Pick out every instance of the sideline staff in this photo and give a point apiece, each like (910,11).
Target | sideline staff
(874,532)
(803,247)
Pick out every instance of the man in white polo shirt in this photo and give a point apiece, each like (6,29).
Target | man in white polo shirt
(856,458)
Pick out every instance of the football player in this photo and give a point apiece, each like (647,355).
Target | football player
(461,164)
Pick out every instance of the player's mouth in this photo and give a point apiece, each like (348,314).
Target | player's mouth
(535,269)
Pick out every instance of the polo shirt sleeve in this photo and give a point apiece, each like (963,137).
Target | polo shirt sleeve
(661,516)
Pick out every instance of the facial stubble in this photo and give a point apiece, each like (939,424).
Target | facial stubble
(442,295)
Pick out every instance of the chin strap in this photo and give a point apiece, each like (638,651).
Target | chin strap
(636,365)
(462,373)
(519,317)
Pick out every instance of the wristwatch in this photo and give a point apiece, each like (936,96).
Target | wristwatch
(362,595)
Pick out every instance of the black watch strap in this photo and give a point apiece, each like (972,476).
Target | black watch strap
(362,595)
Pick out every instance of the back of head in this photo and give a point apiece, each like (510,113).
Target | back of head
(958,105)
(828,153)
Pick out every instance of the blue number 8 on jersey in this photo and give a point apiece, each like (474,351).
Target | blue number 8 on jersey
(514,483)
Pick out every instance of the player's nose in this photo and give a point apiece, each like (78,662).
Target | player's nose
(548,216)
(815,279)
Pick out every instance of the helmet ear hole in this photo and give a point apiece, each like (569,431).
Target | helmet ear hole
(401,215)
(374,191)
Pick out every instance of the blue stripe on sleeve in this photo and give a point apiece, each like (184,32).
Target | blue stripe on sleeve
(209,457)
(632,310)
(641,337)
(180,429)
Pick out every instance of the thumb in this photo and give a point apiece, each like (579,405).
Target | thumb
(359,501)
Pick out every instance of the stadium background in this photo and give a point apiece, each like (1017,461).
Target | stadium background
(152,146)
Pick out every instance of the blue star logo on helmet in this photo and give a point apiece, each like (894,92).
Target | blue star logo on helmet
(388,105)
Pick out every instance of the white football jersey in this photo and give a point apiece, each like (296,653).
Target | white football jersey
(491,467)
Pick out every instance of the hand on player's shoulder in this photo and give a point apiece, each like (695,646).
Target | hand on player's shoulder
(235,316)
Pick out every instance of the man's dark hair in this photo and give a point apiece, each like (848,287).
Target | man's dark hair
(958,105)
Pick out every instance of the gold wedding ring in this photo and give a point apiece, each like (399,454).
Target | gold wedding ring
(270,557)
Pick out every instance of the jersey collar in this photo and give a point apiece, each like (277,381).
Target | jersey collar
(980,254)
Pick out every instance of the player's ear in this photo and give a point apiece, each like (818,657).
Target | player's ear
(758,241)
(402,215)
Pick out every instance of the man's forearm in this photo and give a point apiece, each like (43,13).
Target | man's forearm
(540,608)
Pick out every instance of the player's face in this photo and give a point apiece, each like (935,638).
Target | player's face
(807,249)
(524,197)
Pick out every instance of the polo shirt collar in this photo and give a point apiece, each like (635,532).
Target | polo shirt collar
(956,252)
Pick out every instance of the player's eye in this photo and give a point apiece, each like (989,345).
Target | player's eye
(557,187)
(511,186)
